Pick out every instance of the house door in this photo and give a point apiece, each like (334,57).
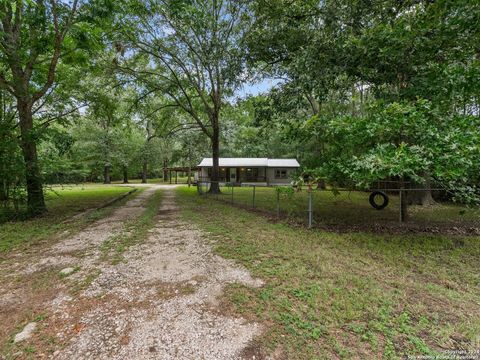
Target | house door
(233,175)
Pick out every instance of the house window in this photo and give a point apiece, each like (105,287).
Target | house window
(222,172)
(252,173)
(280,174)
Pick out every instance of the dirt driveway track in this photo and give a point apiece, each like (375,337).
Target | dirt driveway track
(159,303)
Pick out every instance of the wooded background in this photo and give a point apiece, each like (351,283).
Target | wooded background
(365,90)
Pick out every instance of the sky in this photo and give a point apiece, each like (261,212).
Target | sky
(256,88)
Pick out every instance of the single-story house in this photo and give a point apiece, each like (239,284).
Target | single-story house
(261,171)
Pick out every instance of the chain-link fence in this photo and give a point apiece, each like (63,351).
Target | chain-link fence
(347,209)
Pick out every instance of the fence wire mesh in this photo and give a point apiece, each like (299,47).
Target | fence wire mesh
(345,209)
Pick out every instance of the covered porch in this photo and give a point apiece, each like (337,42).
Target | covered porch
(190,172)
(237,175)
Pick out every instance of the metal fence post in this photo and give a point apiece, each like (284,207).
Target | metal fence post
(278,204)
(401,207)
(310,211)
(253,200)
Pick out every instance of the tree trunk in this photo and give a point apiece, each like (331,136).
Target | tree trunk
(106,174)
(215,186)
(147,153)
(321,185)
(35,198)
(3,172)
(165,171)
(314,104)
(144,171)
(3,184)
(3,191)
(422,197)
(403,202)
(125,174)
(189,180)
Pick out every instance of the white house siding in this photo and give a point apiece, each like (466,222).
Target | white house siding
(269,173)
(266,169)
(204,173)
(273,181)
(251,162)
(261,171)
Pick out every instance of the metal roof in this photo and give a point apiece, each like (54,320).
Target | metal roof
(283,163)
(251,162)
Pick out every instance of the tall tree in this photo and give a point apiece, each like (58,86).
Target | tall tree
(404,141)
(10,157)
(110,119)
(159,121)
(190,147)
(31,43)
(343,56)
(195,56)
(129,143)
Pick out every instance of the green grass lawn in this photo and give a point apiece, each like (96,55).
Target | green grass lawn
(347,208)
(63,202)
(180,180)
(139,181)
(351,295)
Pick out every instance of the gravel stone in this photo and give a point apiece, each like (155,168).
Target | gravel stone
(26,333)
(163,301)
(67,271)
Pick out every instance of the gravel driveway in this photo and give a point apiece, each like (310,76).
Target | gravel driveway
(160,303)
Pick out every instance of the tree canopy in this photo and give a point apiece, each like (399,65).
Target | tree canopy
(95,90)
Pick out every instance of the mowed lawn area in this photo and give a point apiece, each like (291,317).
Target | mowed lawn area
(180,180)
(63,203)
(350,295)
(349,209)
